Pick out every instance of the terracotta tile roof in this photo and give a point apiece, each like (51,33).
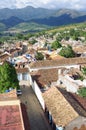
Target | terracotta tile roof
(22,70)
(45,77)
(61,110)
(54,63)
(10,118)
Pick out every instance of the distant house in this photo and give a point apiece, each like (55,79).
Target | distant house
(45,78)
(15,52)
(69,79)
(4,57)
(23,75)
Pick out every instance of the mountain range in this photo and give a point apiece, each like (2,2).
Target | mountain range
(14,18)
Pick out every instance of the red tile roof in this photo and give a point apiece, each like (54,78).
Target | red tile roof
(10,118)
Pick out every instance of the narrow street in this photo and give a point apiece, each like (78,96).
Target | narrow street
(36,115)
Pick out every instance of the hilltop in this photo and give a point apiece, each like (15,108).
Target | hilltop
(45,18)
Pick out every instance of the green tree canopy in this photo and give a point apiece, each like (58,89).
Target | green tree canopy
(67,52)
(33,41)
(84,70)
(39,56)
(82,92)
(8,77)
(56,44)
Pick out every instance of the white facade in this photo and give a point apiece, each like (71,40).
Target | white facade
(23,76)
(68,83)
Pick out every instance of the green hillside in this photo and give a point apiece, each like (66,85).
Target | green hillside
(67,27)
(2,27)
(29,27)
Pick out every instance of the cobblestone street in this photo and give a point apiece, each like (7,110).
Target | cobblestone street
(36,115)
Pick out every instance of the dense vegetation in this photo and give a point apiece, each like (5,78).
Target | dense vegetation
(8,77)
(84,70)
(67,52)
(39,56)
(56,44)
(82,92)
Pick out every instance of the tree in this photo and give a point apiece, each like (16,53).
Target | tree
(82,92)
(84,70)
(33,41)
(56,45)
(39,56)
(8,77)
(67,52)
(20,36)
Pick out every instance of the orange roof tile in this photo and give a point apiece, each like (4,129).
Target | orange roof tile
(62,112)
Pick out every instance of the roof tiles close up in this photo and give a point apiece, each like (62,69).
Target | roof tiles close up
(61,110)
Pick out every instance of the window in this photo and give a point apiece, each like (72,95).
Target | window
(19,77)
(25,76)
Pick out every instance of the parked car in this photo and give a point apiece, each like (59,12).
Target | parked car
(19,92)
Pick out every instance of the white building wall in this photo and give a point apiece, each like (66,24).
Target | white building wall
(38,94)
(19,76)
(68,84)
(31,81)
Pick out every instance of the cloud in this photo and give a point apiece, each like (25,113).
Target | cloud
(73,4)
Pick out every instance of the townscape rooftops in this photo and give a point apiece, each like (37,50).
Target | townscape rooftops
(59,107)
(53,63)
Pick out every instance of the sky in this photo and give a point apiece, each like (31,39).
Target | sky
(50,4)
